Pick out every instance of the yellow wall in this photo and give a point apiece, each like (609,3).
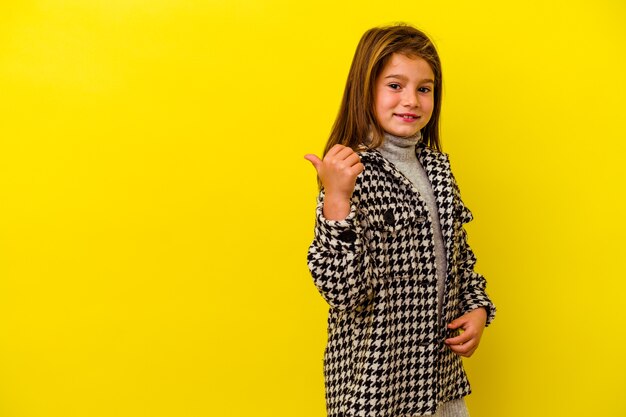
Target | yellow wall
(155,208)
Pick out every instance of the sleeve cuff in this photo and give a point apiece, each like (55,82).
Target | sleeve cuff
(338,235)
(479,299)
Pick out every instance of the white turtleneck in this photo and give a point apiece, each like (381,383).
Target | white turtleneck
(401,153)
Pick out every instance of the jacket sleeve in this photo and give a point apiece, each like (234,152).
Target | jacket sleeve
(473,284)
(337,259)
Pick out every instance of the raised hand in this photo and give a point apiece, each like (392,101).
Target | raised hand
(337,172)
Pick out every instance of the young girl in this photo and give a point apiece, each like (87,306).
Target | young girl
(390,254)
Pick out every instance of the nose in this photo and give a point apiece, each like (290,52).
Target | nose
(410,98)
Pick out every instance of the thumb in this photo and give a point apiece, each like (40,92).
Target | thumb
(314,160)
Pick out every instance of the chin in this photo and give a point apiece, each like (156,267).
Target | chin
(405,133)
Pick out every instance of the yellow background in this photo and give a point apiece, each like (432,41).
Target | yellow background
(155,208)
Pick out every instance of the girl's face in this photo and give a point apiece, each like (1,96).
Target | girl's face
(404,96)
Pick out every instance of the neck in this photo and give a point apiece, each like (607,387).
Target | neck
(397,148)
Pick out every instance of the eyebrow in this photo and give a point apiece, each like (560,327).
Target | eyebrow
(404,78)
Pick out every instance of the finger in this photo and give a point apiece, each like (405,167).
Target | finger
(344,153)
(462,338)
(471,352)
(314,160)
(334,150)
(464,349)
(458,322)
(357,169)
(353,159)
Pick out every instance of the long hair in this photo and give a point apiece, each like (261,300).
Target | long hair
(356,120)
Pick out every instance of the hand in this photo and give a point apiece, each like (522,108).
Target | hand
(473,324)
(337,172)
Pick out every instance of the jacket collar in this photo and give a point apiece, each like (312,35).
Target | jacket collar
(428,158)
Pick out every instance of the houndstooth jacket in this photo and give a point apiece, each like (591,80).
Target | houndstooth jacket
(385,355)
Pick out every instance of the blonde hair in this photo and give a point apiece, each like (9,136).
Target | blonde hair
(356,120)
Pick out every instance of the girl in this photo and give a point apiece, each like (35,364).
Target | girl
(390,254)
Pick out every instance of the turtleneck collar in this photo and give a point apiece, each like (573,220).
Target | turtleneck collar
(396,148)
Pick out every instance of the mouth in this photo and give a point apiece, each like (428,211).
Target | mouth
(408,117)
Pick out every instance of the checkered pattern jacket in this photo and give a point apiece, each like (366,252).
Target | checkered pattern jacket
(385,355)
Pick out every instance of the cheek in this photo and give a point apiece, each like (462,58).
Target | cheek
(384,103)
(380,105)
(428,105)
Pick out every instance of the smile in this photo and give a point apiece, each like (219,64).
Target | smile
(407,116)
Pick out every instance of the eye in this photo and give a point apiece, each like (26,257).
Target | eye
(424,89)
(394,86)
